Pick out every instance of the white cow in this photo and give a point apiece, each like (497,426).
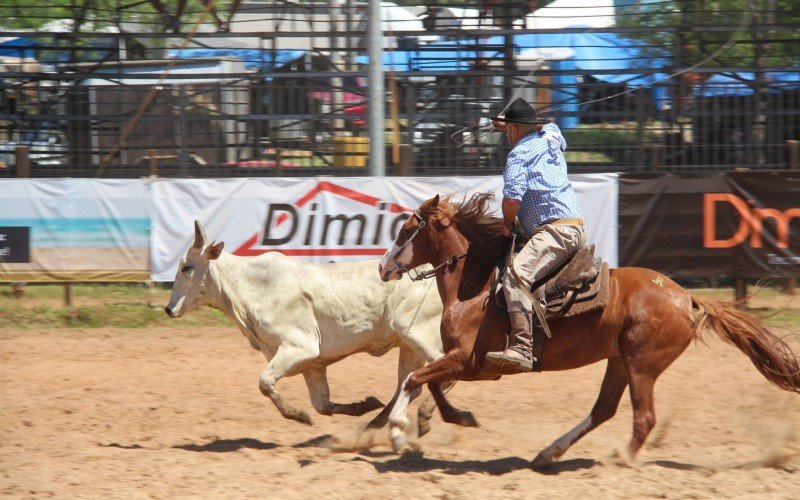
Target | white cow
(304,317)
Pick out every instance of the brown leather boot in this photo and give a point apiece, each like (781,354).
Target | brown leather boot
(516,358)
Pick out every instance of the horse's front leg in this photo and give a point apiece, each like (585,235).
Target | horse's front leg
(450,413)
(443,369)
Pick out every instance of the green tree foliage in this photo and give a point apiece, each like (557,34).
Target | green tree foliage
(93,14)
(694,29)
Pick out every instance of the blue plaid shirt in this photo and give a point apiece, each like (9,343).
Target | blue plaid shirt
(536,174)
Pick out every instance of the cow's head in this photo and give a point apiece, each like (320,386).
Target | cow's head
(192,280)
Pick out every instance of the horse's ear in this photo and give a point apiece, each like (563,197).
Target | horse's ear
(214,250)
(445,220)
(435,201)
(199,236)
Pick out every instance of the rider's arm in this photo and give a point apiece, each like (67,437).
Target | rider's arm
(510,209)
(514,187)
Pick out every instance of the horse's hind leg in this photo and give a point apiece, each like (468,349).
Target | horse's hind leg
(644,411)
(611,390)
(318,390)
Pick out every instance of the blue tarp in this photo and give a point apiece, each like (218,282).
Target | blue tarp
(254,59)
(720,85)
(593,51)
(19,47)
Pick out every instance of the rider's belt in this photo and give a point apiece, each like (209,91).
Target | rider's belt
(574,221)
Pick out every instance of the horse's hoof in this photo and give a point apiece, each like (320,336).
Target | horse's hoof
(377,422)
(398,438)
(372,403)
(468,420)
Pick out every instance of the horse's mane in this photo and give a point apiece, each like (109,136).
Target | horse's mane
(473,220)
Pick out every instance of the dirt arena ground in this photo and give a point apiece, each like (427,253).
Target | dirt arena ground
(171,413)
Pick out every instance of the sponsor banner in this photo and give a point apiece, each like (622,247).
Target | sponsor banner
(328,219)
(74,229)
(735,225)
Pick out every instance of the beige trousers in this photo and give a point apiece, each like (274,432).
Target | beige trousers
(547,250)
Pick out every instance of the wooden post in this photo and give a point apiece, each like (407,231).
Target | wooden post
(793,154)
(406,154)
(23,164)
(789,286)
(655,160)
(153,163)
(740,292)
(67,294)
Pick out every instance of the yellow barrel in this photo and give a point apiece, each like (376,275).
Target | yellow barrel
(350,151)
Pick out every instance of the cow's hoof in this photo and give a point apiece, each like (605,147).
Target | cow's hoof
(542,461)
(423,427)
(302,417)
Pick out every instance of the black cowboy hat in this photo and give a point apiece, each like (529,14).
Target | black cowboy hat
(520,112)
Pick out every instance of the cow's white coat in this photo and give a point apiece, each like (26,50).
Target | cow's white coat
(304,316)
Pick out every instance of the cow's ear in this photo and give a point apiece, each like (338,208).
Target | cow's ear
(214,250)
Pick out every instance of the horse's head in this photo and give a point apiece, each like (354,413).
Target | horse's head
(415,243)
(190,287)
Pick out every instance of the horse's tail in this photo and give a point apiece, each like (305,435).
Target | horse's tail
(769,353)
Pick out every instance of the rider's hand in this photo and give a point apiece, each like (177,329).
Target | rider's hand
(506,231)
(500,126)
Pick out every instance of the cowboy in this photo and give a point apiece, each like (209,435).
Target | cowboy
(538,195)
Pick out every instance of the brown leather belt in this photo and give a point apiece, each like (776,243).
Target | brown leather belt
(574,221)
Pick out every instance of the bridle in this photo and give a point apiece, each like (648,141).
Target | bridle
(430,273)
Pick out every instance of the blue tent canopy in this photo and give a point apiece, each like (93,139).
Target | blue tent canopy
(599,52)
(719,85)
(593,51)
(254,59)
(23,47)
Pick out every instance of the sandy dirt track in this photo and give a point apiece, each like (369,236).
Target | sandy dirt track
(177,413)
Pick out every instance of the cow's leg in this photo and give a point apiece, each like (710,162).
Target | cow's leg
(425,411)
(446,368)
(408,362)
(287,360)
(317,383)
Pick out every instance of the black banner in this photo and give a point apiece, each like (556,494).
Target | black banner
(723,225)
(15,244)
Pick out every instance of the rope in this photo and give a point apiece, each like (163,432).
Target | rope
(727,45)
(487,128)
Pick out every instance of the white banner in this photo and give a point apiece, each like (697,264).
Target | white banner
(74,229)
(329,219)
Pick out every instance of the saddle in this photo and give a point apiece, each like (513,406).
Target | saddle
(577,287)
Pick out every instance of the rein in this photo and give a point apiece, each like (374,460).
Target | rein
(430,273)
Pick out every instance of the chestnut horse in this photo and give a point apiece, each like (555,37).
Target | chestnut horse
(647,324)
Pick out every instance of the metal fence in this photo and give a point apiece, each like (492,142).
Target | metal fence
(292,101)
